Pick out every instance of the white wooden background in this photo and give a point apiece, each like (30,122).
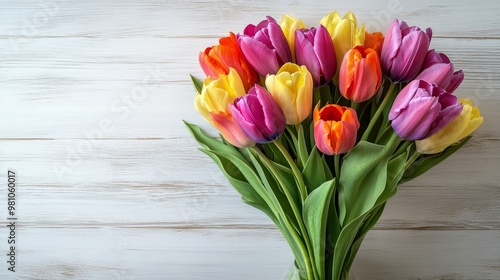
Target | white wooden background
(111,186)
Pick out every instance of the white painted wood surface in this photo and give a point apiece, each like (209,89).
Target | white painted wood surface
(111,186)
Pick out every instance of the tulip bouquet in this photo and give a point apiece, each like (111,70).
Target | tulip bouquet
(320,125)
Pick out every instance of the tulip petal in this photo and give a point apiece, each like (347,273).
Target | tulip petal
(305,55)
(230,130)
(455,81)
(263,59)
(450,109)
(403,99)
(439,74)
(410,57)
(278,39)
(420,114)
(323,47)
(392,43)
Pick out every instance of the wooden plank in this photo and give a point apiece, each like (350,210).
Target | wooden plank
(429,255)
(56,63)
(161,18)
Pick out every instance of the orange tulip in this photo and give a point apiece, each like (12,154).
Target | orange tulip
(360,74)
(335,129)
(374,41)
(218,59)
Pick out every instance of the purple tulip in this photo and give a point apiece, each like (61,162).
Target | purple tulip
(438,69)
(265,46)
(404,51)
(422,109)
(259,115)
(314,49)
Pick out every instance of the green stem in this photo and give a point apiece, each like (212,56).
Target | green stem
(354,105)
(393,142)
(307,252)
(403,147)
(336,159)
(316,96)
(379,111)
(411,160)
(296,172)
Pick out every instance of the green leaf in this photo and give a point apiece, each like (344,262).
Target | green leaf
(211,143)
(362,179)
(273,188)
(425,163)
(315,216)
(233,174)
(198,84)
(302,153)
(277,156)
(371,219)
(316,171)
(333,230)
(344,244)
(283,204)
(395,170)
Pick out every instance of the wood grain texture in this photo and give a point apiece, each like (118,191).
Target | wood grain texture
(111,185)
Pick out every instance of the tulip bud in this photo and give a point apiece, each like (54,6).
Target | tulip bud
(360,75)
(292,88)
(335,129)
(404,51)
(217,94)
(265,46)
(421,109)
(315,50)
(259,115)
(462,126)
(218,59)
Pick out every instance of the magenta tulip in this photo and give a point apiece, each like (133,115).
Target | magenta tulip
(437,69)
(421,109)
(404,51)
(259,115)
(314,49)
(265,46)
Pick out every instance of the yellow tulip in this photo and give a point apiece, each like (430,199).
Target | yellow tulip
(462,126)
(292,88)
(345,33)
(289,25)
(217,94)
